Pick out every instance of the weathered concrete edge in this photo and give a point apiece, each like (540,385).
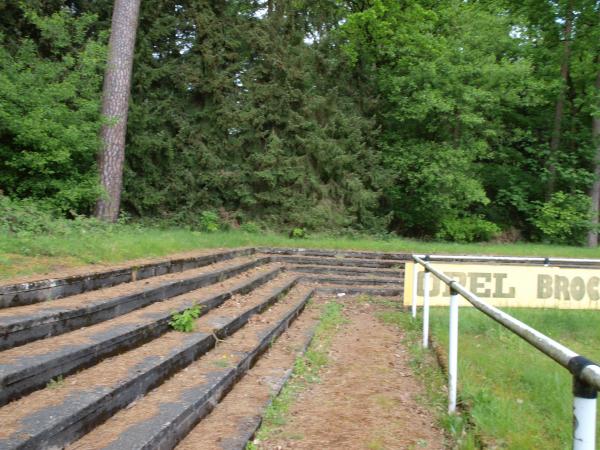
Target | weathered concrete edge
(347,271)
(348,262)
(20,382)
(247,433)
(353,281)
(55,323)
(96,411)
(178,427)
(51,289)
(360,290)
(20,294)
(335,253)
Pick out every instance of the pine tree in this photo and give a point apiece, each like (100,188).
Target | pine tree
(115,106)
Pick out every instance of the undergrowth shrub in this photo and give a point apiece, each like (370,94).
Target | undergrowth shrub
(50,86)
(298,233)
(209,221)
(24,216)
(250,227)
(468,229)
(30,218)
(564,219)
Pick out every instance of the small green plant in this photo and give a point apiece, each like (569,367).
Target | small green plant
(184,321)
(209,221)
(468,229)
(364,298)
(56,383)
(222,362)
(298,233)
(564,219)
(250,227)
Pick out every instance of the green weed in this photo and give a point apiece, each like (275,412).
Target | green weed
(222,363)
(56,383)
(376,443)
(209,221)
(185,321)
(250,227)
(298,233)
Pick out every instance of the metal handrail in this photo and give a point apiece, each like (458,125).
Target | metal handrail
(586,374)
(515,259)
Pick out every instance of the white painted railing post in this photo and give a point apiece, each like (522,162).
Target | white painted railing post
(415,280)
(426,308)
(584,416)
(586,373)
(453,352)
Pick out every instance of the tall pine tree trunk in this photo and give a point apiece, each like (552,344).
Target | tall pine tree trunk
(593,234)
(115,104)
(560,102)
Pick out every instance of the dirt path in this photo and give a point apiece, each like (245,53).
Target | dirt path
(367,397)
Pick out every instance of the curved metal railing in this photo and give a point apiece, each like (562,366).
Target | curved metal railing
(586,374)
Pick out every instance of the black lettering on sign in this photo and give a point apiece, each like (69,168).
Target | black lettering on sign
(544,286)
(577,288)
(561,288)
(592,288)
(499,288)
(478,285)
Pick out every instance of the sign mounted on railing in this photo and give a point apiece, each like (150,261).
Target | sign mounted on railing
(512,285)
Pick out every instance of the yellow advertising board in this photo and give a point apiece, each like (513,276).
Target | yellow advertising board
(511,285)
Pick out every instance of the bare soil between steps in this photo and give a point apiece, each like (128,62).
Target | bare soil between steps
(368,396)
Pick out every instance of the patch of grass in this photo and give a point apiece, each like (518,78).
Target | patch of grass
(385,402)
(56,383)
(426,368)
(117,243)
(306,371)
(376,443)
(518,397)
(185,321)
(222,363)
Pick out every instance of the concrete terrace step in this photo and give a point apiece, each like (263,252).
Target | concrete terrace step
(24,324)
(235,420)
(131,382)
(358,290)
(345,262)
(345,281)
(349,271)
(31,366)
(163,417)
(40,290)
(335,253)
(55,417)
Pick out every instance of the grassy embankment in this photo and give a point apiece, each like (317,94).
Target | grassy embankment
(22,254)
(518,398)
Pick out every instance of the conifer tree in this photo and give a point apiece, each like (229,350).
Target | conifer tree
(115,105)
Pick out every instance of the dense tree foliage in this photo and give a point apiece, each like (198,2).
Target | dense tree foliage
(453,119)
(51,65)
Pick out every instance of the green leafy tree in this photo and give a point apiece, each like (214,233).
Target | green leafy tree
(449,75)
(50,78)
